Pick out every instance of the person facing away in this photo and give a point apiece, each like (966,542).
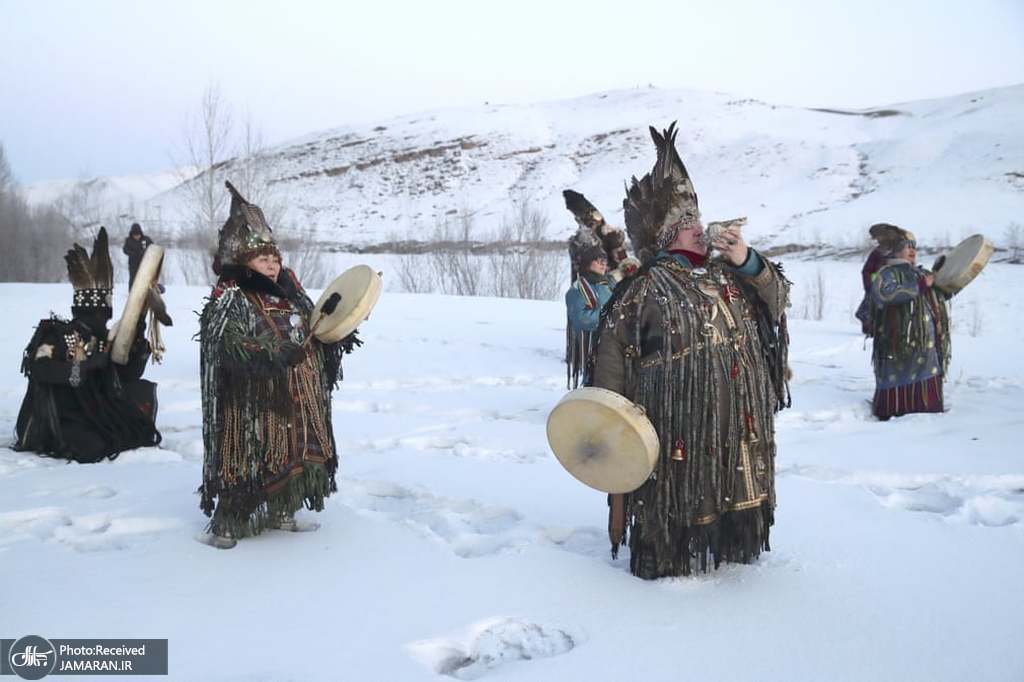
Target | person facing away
(135,245)
(911,343)
(700,344)
(79,405)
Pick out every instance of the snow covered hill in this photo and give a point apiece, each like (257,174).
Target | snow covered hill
(944,168)
(458,548)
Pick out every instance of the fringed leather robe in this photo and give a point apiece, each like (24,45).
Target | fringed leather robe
(704,352)
(267,434)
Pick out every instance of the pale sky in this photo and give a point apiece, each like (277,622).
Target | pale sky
(102,87)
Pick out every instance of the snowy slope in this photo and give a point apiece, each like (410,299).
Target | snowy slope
(456,536)
(945,168)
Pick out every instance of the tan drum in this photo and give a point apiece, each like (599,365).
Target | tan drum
(961,265)
(142,293)
(359,288)
(603,439)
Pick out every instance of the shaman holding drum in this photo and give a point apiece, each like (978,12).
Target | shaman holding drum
(267,382)
(911,332)
(700,343)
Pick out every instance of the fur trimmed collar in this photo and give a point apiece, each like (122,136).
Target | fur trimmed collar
(285,287)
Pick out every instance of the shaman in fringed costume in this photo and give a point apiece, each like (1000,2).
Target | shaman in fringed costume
(701,345)
(79,405)
(266,385)
(911,334)
(594,250)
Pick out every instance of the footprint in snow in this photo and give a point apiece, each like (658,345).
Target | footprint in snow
(83,532)
(468,528)
(964,501)
(491,644)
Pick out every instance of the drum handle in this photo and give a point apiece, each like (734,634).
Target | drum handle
(329,307)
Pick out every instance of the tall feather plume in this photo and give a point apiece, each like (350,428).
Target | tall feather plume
(584,211)
(593,230)
(655,204)
(79,268)
(102,268)
(669,168)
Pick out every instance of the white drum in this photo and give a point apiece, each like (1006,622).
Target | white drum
(603,439)
(359,288)
(961,265)
(146,277)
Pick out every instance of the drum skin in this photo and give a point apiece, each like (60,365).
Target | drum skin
(148,273)
(603,439)
(963,264)
(360,288)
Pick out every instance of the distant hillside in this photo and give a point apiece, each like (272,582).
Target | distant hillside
(944,168)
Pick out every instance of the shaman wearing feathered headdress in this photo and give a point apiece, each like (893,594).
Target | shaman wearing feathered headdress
(593,250)
(268,443)
(700,343)
(79,405)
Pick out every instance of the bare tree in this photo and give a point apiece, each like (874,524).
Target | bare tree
(35,238)
(207,145)
(6,173)
(82,206)
(217,147)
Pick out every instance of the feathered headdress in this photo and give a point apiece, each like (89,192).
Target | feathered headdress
(91,276)
(593,233)
(246,233)
(890,238)
(658,205)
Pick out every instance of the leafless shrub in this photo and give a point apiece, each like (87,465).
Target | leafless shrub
(976,321)
(455,269)
(301,253)
(1014,236)
(814,303)
(521,268)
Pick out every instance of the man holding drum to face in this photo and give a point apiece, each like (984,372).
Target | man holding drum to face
(266,386)
(700,343)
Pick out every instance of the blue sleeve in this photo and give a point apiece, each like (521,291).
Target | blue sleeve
(582,318)
(894,285)
(753,266)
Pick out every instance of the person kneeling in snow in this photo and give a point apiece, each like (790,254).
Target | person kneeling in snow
(268,442)
(79,405)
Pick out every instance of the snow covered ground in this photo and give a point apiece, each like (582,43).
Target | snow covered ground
(458,546)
